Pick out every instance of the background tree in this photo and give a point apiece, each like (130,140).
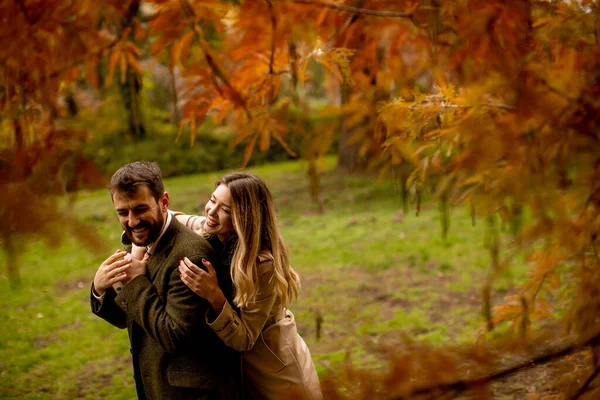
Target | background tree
(45,47)
(132,85)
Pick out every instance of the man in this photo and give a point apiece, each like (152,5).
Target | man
(175,354)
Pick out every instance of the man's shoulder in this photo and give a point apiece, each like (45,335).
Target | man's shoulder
(189,240)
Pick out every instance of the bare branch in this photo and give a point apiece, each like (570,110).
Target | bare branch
(449,107)
(549,353)
(364,11)
(586,384)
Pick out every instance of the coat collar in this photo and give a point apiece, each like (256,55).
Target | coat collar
(163,248)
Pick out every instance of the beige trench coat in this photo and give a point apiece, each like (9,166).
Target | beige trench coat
(276,361)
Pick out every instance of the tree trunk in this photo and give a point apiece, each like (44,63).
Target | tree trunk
(349,158)
(130,91)
(349,154)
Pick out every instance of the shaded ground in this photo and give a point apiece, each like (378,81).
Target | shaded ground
(378,292)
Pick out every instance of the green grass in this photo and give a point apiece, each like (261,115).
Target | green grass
(373,274)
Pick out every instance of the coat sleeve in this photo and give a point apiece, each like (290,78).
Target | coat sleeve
(171,321)
(107,309)
(191,221)
(240,330)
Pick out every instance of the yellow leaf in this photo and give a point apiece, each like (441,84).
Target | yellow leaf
(321,16)
(123,68)
(407,152)
(91,72)
(277,136)
(541,22)
(112,63)
(241,136)
(133,48)
(182,124)
(160,44)
(138,32)
(133,62)
(181,45)
(554,280)
(192,129)
(249,150)
(265,140)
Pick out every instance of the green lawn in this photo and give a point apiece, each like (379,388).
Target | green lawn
(371,272)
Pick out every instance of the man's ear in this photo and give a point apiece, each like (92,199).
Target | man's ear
(164,202)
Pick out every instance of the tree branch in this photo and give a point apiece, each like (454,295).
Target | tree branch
(273,28)
(212,64)
(586,384)
(364,11)
(549,353)
(272,56)
(176,117)
(72,64)
(593,243)
(448,107)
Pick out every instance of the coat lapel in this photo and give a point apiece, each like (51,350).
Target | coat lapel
(153,265)
(162,249)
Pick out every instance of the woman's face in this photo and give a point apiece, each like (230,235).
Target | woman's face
(218,213)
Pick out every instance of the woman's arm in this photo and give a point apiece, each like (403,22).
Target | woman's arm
(237,329)
(193,222)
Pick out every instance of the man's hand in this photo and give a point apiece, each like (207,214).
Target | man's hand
(137,267)
(112,270)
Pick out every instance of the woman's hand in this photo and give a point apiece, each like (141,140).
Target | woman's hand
(136,267)
(138,252)
(203,283)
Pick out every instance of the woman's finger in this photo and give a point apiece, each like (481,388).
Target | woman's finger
(184,272)
(184,268)
(192,267)
(209,266)
(191,277)
(191,284)
(185,279)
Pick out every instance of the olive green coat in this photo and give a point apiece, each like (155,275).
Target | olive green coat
(175,354)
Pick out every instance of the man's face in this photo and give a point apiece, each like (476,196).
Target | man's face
(140,215)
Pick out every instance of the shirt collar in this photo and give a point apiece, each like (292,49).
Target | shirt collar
(151,247)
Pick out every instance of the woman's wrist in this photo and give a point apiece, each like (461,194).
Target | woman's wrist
(218,302)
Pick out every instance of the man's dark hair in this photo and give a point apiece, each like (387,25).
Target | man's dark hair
(130,177)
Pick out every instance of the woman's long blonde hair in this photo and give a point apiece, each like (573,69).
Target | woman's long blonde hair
(256,226)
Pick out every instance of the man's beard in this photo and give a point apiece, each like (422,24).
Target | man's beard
(154,229)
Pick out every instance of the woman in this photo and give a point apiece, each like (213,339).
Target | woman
(241,223)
